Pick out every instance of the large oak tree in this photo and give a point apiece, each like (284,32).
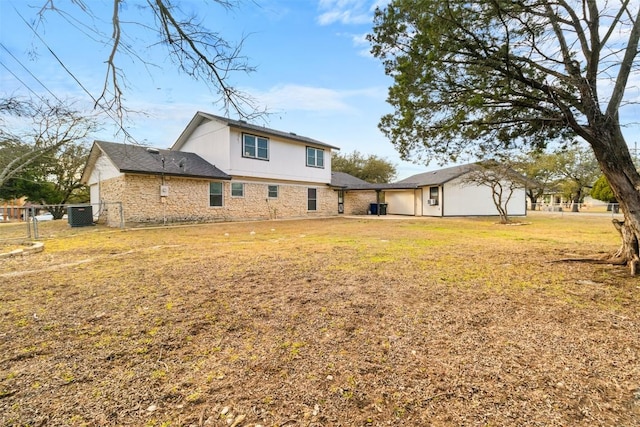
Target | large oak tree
(479,77)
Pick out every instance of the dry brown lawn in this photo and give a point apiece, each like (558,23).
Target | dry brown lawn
(337,322)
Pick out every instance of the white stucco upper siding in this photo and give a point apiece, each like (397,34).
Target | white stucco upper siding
(221,146)
(211,141)
(476,200)
(287,161)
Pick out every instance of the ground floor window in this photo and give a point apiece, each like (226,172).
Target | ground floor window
(312,199)
(272,192)
(237,189)
(215,194)
(433,196)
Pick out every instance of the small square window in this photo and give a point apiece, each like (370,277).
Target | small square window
(237,189)
(273,192)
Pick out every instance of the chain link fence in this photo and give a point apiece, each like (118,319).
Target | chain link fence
(24,222)
(590,207)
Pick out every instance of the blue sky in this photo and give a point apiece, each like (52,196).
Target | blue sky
(314,71)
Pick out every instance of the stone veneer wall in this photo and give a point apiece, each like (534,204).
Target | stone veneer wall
(357,202)
(111,192)
(188,201)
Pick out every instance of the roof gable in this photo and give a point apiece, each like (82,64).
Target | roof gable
(442,176)
(128,158)
(242,125)
(438,177)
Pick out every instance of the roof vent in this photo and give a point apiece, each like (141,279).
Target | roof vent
(293,133)
(243,121)
(153,150)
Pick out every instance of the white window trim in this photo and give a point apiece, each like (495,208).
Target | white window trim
(306,157)
(308,199)
(236,196)
(221,194)
(256,157)
(277,191)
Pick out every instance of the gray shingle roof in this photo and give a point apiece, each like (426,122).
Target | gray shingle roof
(249,127)
(438,177)
(350,182)
(136,159)
(343,179)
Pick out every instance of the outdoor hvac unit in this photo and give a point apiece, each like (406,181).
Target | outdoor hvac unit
(80,216)
(432,202)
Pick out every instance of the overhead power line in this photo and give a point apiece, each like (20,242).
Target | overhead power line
(28,71)
(95,101)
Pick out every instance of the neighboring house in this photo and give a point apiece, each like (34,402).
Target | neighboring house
(445,192)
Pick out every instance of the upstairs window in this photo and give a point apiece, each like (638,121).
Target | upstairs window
(315,157)
(255,147)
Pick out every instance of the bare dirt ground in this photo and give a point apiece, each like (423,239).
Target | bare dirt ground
(339,322)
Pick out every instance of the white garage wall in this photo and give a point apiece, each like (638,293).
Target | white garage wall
(400,202)
(476,200)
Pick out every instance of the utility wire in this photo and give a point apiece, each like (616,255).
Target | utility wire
(23,83)
(95,101)
(28,71)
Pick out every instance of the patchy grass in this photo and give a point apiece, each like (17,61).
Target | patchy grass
(323,322)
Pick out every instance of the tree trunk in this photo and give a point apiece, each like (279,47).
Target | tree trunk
(615,161)
(575,205)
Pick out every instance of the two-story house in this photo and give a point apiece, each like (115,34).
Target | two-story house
(218,170)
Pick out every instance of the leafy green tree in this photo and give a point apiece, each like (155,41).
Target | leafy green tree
(43,128)
(538,167)
(478,77)
(577,170)
(53,181)
(602,190)
(369,168)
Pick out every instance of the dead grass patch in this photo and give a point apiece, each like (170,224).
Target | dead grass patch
(324,322)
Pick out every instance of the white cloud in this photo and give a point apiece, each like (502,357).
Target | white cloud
(346,11)
(360,41)
(291,97)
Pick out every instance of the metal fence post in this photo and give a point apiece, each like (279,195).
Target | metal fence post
(36,234)
(29,217)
